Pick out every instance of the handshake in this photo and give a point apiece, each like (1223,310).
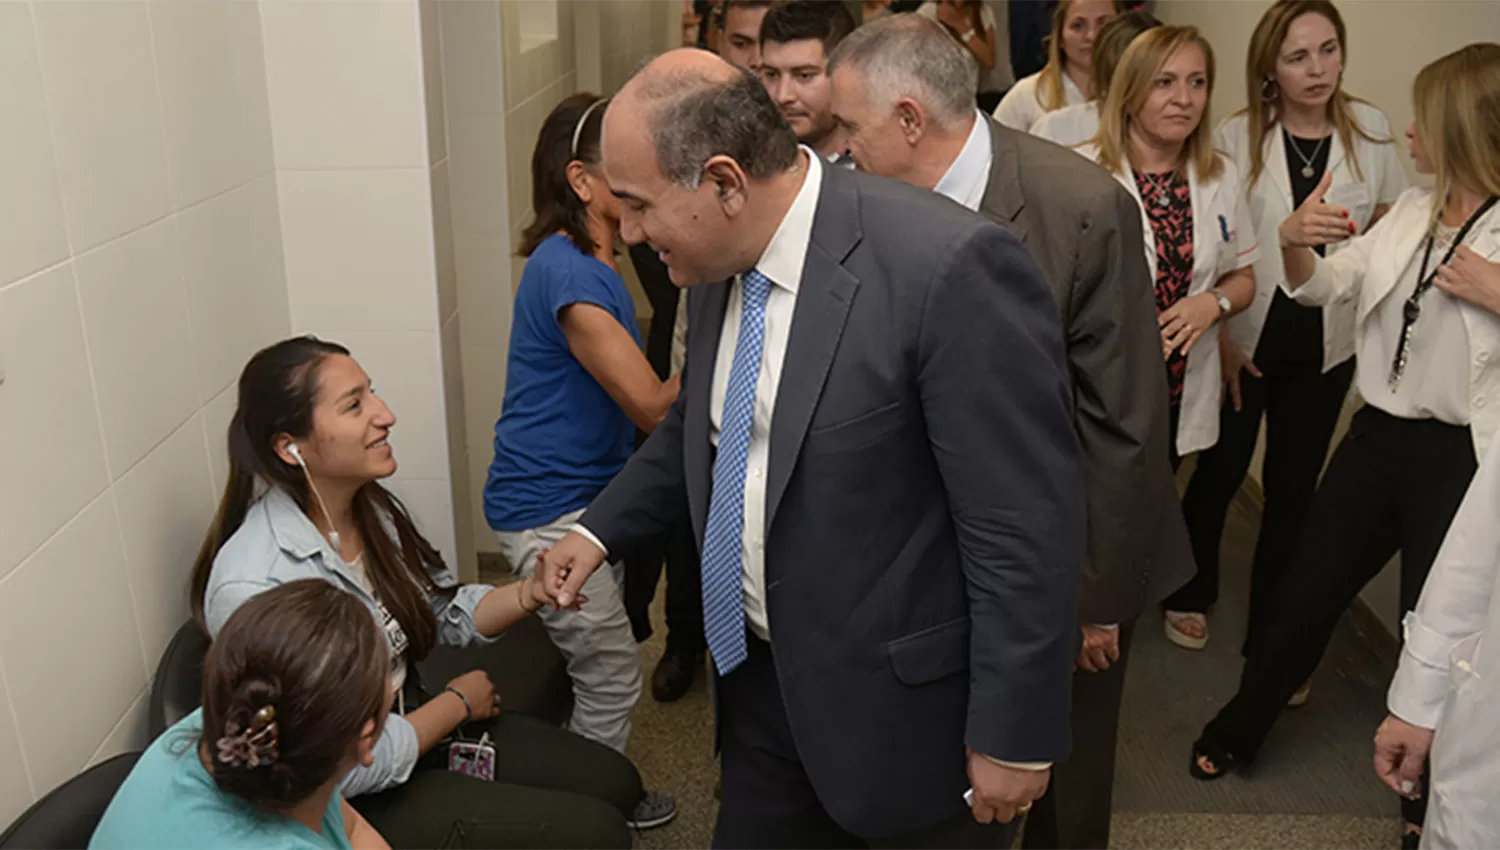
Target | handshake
(564,568)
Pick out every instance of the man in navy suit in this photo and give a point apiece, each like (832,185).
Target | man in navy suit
(874,445)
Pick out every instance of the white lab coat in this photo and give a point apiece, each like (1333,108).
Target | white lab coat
(1369,268)
(1020,109)
(1446,682)
(1271,203)
(1070,126)
(1223,241)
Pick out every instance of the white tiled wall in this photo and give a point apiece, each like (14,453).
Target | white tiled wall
(140,265)
(353,127)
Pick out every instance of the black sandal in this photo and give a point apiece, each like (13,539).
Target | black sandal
(1219,757)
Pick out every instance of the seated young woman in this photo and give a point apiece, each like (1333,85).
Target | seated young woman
(308,448)
(295,691)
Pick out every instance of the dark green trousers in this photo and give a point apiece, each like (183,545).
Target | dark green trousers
(552,789)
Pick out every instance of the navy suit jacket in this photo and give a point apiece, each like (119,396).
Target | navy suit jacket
(925,506)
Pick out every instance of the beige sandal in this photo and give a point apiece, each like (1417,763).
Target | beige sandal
(1173,624)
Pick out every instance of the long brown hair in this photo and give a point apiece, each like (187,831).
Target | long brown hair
(278,390)
(1457,104)
(554,203)
(1131,85)
(1113,38)
(1264,101)
(1049,84)
(313,656)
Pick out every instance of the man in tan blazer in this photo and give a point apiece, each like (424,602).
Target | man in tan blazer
(903,89)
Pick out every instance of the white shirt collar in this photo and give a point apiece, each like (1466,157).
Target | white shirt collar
(969,173)
(783,258)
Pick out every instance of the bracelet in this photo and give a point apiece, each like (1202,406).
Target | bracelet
(521,597)
(468,709)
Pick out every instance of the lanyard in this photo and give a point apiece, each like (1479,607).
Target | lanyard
(1412,310)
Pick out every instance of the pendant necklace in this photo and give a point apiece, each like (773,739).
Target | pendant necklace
(1307,161)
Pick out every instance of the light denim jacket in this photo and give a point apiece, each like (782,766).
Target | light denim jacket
(277,544)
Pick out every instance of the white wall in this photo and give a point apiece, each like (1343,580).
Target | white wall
(1389,42)
(140,266)
(354,170)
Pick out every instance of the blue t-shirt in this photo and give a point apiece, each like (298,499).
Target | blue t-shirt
(170,801)
(560,437)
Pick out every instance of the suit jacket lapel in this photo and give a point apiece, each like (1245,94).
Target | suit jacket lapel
(824,297)
(706,324)
(1002,202)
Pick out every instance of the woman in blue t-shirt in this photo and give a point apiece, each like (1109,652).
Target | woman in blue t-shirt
(577,387)
(295,692)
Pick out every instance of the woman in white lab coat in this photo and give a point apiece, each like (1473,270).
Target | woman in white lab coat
(1064,80)
(1289,363)
(1200,243)
(1426,287)
(1078,124)
(1445,684)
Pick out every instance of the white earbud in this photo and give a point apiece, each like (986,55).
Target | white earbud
(333,536)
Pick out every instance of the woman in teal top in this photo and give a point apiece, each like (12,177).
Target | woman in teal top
(295,692)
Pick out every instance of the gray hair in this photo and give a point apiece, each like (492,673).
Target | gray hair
(910,56)
(697,117)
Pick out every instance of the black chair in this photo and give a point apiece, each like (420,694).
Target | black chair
(529,674)
(178,687)
(66,818)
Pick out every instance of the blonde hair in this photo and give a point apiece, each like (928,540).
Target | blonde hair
(1049,84)
(1131,86)
(1264,109)
(1457,106)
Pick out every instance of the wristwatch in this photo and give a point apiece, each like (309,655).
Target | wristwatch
(1225,306)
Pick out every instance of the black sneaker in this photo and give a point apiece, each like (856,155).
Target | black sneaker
(655,809)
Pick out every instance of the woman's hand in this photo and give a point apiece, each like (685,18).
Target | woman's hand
(1316,223)
(476,686)
(1472,278)
(1233,359)
(1400,751)
(1187,320)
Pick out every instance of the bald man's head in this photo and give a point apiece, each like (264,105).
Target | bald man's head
(687,142)
(693,105)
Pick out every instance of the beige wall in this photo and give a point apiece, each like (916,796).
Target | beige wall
(1389,42)
(140,266)
(355,170)
(502,76)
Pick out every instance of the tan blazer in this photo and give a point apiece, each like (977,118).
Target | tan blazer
(1084,231)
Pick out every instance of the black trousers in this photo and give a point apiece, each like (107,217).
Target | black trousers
(552,789)
(1393,486)
(1075,811)
(1301,410)
(767,801)
(684,602)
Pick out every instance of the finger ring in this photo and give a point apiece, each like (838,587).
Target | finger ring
(1023,809)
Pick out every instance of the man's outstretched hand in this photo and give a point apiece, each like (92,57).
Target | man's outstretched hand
(565,567)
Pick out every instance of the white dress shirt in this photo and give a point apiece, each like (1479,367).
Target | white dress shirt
(1435,382)
(782,263)
(969,174)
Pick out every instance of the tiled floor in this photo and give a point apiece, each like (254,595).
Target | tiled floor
(1312,789)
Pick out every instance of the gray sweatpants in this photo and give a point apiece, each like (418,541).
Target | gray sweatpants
(596,639)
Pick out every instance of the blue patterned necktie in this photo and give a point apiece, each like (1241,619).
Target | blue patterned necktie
(723,594)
